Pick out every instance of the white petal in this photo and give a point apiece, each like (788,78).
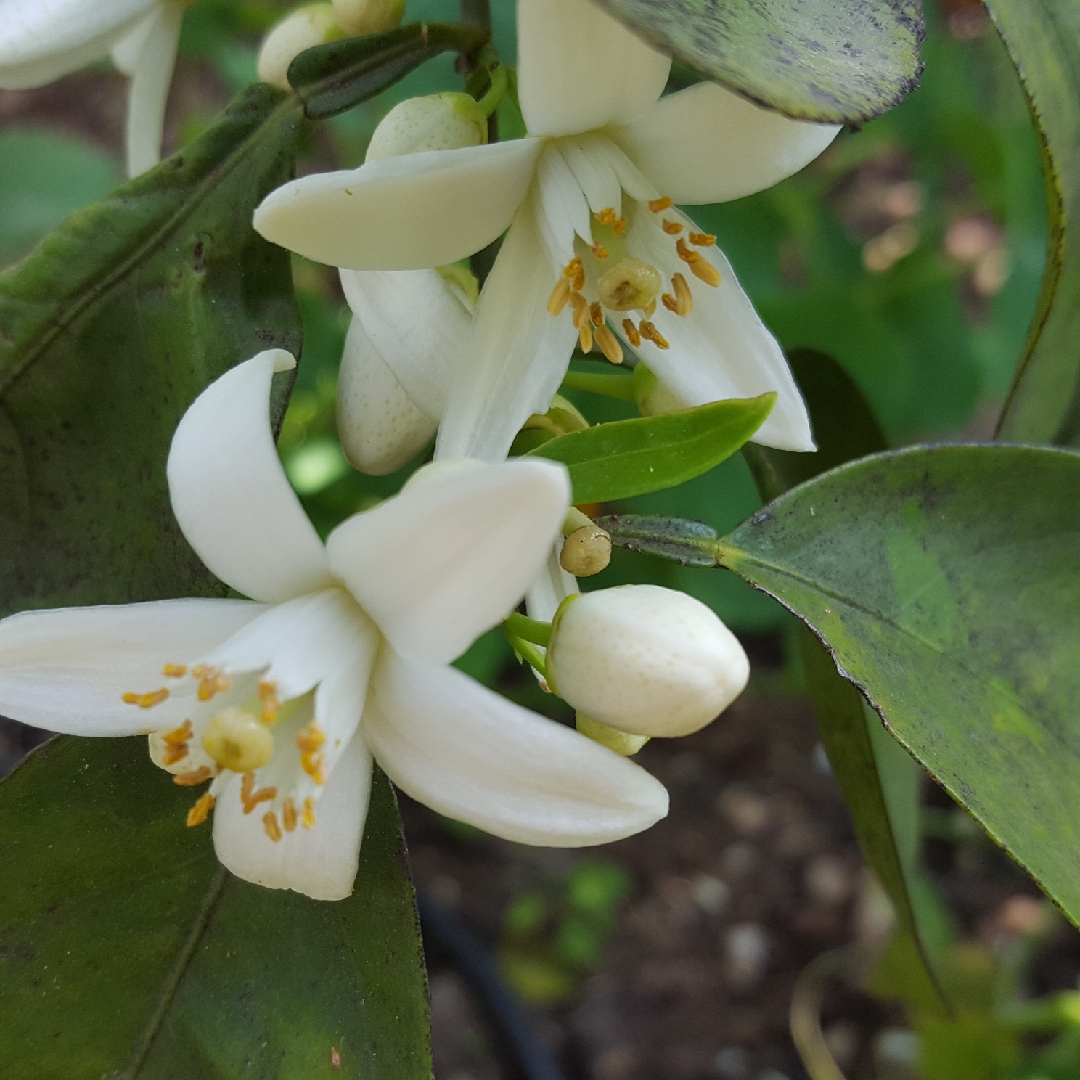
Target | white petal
(551,587)
(563,212)
(418,325)
(579,69)
(590,164)
(474,756)
(706,144)
(402,213)
(230,494)
(301,642)
(380,428)
(67,669)
(722,349)
(441,563)
(516,355)
(319,862)
(148,55)
(44,39)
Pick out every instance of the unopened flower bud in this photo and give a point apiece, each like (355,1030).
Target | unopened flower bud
(586,551)
(651,395)
(447,121)
(358,17)
(313,24)
(644,659)
(622,742)
(238,741)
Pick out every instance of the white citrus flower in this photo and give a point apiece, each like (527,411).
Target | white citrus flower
(40,40)
(283,701)
(595,250)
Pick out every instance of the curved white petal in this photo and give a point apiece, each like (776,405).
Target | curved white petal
(706,144)
(67,669)
(722,349)
(442,562)
(301,642)
(44,39)
(148,55)
(551,587)
(474,756)
(402,213)
(417,323)
(579,69)
(319,862)
(516,355)
(230,494)
(380,428)
(562,210)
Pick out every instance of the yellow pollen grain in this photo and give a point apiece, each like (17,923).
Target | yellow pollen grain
(596,313)
(559,297)
(581,310)
(702,239)
(609,344)
(146,701)
(684,300)
(672,228)
(649,331)
(585,337)
(273,830)
(600,251)
(174,671)
(289,817)
(659,205)
(631,332)
(310,739)
(190,779)
(201,810)
(309,813)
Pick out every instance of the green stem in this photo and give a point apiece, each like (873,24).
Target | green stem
(490,101)
(613,384)
(476,12)
(521,626)
(528,652)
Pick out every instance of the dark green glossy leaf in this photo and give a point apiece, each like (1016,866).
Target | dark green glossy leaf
(127,952)
(841,61)
(108,331)
(1043,39)
(335,77)
(943,581)
(650,453)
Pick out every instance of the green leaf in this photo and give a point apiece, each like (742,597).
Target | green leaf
(879,781)
(335,77)
(650,453)
(839,61)
(681,540)
(943,581)
(127,952)
(108,331)
(1043,39)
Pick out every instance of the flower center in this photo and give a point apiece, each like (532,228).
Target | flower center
(628,283)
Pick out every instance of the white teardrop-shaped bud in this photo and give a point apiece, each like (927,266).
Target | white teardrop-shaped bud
(644,659)
(447,121)
(307,26)
(358,17)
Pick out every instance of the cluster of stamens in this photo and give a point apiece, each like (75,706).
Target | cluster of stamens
(620,292)
(239,742)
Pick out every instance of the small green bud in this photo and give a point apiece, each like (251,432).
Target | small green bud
(358,17)
(307,26)
(447,121)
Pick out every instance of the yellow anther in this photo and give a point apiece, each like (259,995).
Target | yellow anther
(609,217)
(146,701)
(659,205)
(585,337)
(309,813)
(251,798)
(684,300)
(631,332)
(649,331)
(311,739)
(211,682)
(609,343)
(201,810)
(273,830)
(600,251)
(176,744)
(669,301)
(596,313)
(559,297)
(289,816)
(702,239)
(672,228)
(581,310)
(270,702)
(575,273)
(247,786)
(704,270)
(628,285)
(174,671)
(190,779)
(238,741)
(178,735)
